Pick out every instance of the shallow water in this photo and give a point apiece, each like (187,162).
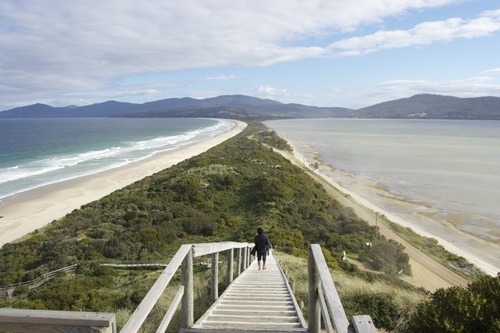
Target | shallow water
(443,176)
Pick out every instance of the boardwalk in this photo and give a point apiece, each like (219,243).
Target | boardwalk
(257,300)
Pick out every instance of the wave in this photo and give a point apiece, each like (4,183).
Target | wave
(53,169)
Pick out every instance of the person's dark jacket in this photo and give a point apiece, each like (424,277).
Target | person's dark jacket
(262,243)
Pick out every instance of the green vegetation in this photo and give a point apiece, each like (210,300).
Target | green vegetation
(387,256)
(272,139)
(388,300)
(431,247)
(223,194)
(475,308)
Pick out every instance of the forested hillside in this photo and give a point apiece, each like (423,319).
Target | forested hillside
(221,195)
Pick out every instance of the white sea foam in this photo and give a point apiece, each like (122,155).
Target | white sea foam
(52,169)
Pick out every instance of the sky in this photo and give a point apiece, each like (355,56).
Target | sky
(317,52)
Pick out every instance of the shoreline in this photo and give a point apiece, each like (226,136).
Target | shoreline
(426,272)
(301,161)
(28,211)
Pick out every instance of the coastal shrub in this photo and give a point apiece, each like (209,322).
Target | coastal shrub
(270,138)
(431,247)
(381,307)
(474,308)
(388,256)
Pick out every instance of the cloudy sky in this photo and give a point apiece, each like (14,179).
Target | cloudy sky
(316,52)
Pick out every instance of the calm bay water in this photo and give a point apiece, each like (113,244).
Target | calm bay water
(37,152)
(443,176)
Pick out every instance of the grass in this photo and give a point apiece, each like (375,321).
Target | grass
(351,288)
(431,247)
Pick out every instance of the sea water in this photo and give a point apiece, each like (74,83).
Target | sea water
(38,152)
(442,176)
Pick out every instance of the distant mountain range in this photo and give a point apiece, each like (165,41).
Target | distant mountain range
(243,107)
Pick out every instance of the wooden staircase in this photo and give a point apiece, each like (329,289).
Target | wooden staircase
(258,300)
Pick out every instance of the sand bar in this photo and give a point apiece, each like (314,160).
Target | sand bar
(31,210)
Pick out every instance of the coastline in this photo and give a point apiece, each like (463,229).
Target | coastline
(427,273)
(26,212)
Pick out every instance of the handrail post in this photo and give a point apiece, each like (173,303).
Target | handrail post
(314,325)
(214,294)
(238,262)
(187,319)
(244,258)
(249,257)
(230,264)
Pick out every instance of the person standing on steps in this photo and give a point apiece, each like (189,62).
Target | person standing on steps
(262,246)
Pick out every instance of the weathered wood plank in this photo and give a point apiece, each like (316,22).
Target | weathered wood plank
(340,321)
(314,324)
(363,324)
(232,330)
(324,311)
(214,291)
(187,318)
(142,311)
(171,310)
(203,249)
(230,266)
(18,320)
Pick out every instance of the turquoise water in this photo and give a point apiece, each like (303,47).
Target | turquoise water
(38,152)
(443,176)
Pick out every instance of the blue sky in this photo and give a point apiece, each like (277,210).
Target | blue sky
(316,52)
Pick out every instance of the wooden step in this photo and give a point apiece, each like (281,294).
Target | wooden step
(258,300)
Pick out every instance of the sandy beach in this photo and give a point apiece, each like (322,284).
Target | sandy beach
(427,273)
(31,210)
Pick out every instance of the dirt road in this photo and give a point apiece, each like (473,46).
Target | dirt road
(427,272)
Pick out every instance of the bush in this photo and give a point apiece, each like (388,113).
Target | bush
(457,309)
(380,306)
(389,257)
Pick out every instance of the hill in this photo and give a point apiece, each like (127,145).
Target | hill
(434,107)
(251,108)
(231,106)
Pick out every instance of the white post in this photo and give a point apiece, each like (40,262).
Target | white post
(187,319)
(230,264)
(215,277)
(238,262)
(314,325)
(244,258)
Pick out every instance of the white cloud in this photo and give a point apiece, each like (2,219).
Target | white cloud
(122,36)
(57,47)
(421,34)
(220,78)
(493,71)
(271,92)
(469,87)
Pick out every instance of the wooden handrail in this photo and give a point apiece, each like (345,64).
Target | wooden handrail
(68,321)
(7,291)
(324,299)
(184,259)
(17,320)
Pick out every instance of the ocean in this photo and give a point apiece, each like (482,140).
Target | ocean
(441,176)
(38,152)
